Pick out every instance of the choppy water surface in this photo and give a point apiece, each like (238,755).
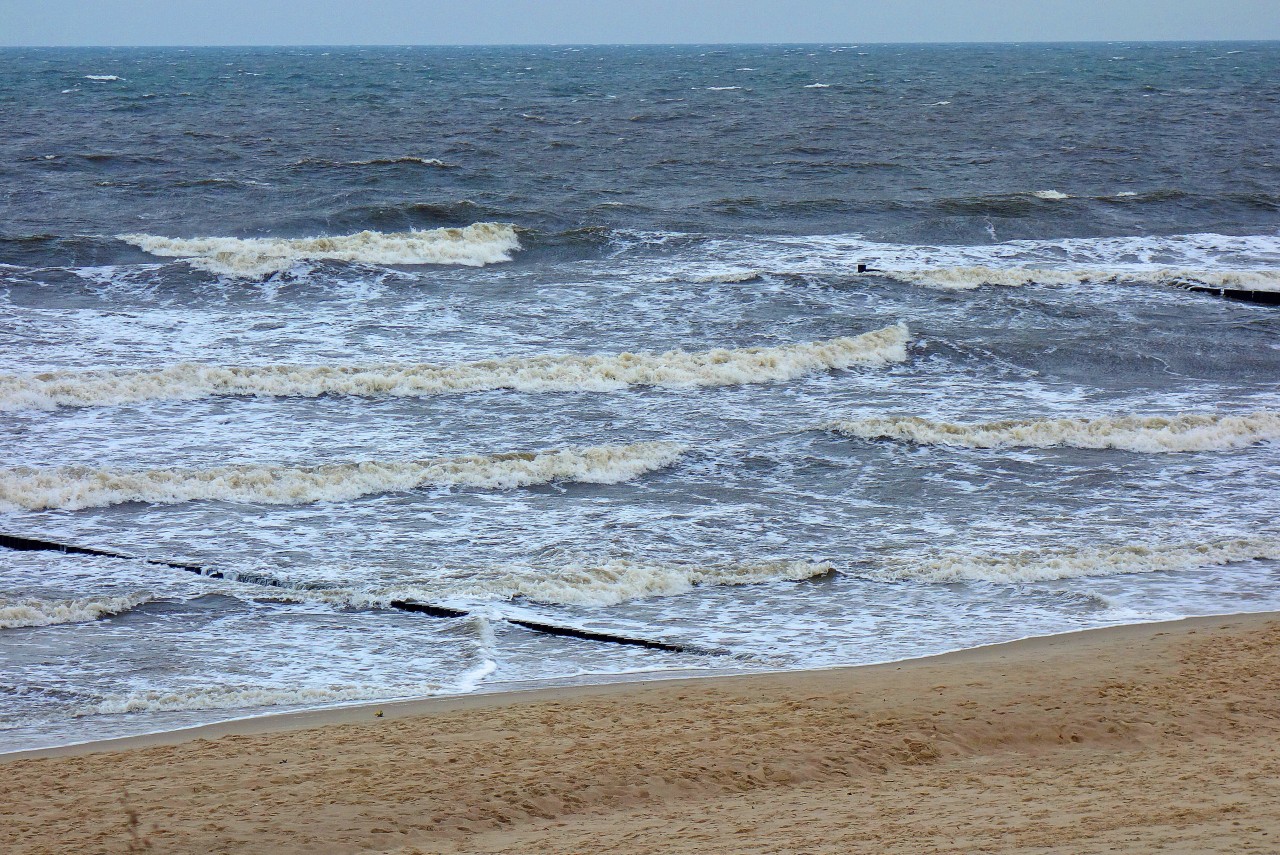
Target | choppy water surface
(579,337)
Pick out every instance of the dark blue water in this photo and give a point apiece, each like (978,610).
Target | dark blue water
(912,144)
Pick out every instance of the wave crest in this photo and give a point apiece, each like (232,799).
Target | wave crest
(248,258)
(73,488)
(614,582)
(35,612)
(1036,566)
(675,368)
(1151,434)
(966,278)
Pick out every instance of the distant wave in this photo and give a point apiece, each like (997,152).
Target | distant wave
(72,488)
(1152,434)
(1110,560)
(964,278)
(1241,262)
(675,368)
(474,246)
(376,161)
(29,612)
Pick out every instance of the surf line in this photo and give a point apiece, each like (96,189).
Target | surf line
(30,544)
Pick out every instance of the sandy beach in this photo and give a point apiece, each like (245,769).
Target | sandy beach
(1155,737)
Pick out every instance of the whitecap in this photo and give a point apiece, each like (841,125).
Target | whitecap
(1146,434)
(76,487)
(473,246)
(545,373)
(31,612)
(1075,563)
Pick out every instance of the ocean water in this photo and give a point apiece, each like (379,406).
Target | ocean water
(577,337)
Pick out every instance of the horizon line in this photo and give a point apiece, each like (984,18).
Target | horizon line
(842,43)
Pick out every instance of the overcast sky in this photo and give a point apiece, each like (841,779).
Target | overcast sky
(334,22)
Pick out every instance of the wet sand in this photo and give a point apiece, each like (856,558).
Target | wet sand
(1149,738)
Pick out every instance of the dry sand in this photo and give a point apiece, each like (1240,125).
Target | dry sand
(1155,738)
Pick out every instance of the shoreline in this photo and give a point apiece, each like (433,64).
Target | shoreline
(503,696)
(1081,742)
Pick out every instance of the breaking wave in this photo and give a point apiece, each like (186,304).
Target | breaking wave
(965,278)
(249,697)
(676,368)
(1153,434)
(616,582)
(34,612)
(1239,262)
(248,258)
(78,487)
(578,583)
(1035,566)
(376,161)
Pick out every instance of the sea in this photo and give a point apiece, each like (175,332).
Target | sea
(373,374)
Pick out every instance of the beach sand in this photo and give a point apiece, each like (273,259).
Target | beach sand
(1156,737)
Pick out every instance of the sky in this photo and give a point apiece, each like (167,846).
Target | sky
(399,22)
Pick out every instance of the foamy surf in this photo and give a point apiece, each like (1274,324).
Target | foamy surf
(1110,560)
(30,612)
(247,697)
(249,258)
(615,582)
(72,488)
(570,582)
(965,278)
(550,373)
(228,697)
(1149,434)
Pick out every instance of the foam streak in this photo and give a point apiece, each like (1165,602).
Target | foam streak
(1036,566)
(250,258)
(605,372)
(83,487)
(1151,434)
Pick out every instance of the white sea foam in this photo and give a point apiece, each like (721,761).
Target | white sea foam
(968,277)
(570,582)
(725,276)
(1242,262)
(1153,434)
(102,78)
(374,161)
(85,487)
(1108,560)
(818,86)
(474,246)
(28,612)
(616,582)
(247,697)
(387,161)
(1050,195)
(676,368)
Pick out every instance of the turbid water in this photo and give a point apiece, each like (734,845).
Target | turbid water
(578,336)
